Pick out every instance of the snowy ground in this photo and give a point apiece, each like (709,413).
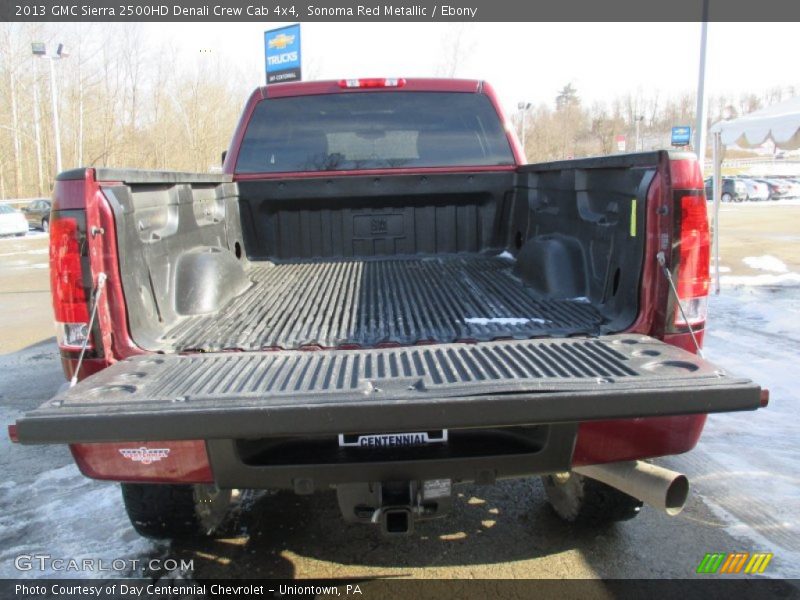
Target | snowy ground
(59,513)
(751,461)
(33,234)
(46,506)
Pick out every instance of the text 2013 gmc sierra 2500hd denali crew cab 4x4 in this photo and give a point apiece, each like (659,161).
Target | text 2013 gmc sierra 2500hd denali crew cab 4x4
(379,296)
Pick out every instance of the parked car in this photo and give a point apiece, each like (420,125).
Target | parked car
(794,186)
(733,190)
(756,190)
(38,214)
(469,322)
(777,189)
(12,221)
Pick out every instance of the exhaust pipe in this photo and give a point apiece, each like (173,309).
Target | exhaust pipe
(659,487)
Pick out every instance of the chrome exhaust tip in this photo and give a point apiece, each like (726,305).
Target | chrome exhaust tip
(656,486)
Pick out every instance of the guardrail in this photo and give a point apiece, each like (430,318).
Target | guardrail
(768,166)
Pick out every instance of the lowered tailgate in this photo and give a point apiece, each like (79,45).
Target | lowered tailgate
(417,388)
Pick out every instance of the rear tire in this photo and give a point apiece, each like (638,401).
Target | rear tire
(46,225)
(175,511)
(726,197)
(578,499)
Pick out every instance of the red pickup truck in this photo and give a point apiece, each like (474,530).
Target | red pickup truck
(379,296)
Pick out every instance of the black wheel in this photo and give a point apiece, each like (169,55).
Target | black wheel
(20,234)
(46,225)
(726,197)
(174,511)
(579,499)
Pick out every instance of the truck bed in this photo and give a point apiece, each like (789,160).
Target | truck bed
(545,251)
(366,302)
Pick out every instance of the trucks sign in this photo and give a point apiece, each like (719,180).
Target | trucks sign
(282,54)
(682,135)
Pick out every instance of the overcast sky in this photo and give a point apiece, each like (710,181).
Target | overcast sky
(524,61)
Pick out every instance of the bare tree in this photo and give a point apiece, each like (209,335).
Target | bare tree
(457,47)
(127,101)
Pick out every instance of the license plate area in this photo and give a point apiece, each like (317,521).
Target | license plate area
(392,440)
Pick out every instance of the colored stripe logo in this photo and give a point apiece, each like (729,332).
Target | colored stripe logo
(736,562)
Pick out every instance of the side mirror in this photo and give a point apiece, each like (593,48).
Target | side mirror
(224,154)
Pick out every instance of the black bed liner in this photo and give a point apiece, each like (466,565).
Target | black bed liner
(421,388)
(404,300)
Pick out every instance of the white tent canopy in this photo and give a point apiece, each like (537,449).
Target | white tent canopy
(779,123)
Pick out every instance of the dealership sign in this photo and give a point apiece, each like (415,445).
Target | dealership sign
(282,53)
(681,136)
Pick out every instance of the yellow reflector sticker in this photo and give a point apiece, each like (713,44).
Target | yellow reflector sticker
(633,217)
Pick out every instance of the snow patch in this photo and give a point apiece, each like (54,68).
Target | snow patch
(63,514)
(504,320)
(713,269)
(750,460)
(31,235)
(739,529)
(581,299)
(765,279)
(20,252)
(506,254)
(766,263)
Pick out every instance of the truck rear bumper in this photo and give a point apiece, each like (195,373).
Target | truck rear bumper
(474,455)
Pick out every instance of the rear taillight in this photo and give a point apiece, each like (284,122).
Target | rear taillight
(70,296)
(151,462)
(694,248)
(375,82)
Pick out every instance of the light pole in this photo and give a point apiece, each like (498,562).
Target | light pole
(638,120)
(702,108)
(523,107)
(36,126)
(40,49)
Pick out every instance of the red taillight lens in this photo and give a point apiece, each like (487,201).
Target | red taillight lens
(375,82)
(70,302)
(694,256)
(695,247)
(152,462)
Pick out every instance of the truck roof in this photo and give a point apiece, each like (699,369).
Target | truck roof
(308,88)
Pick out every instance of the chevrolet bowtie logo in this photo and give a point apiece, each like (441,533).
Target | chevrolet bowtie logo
(279,42)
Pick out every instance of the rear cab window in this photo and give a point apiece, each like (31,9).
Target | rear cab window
(373,130)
